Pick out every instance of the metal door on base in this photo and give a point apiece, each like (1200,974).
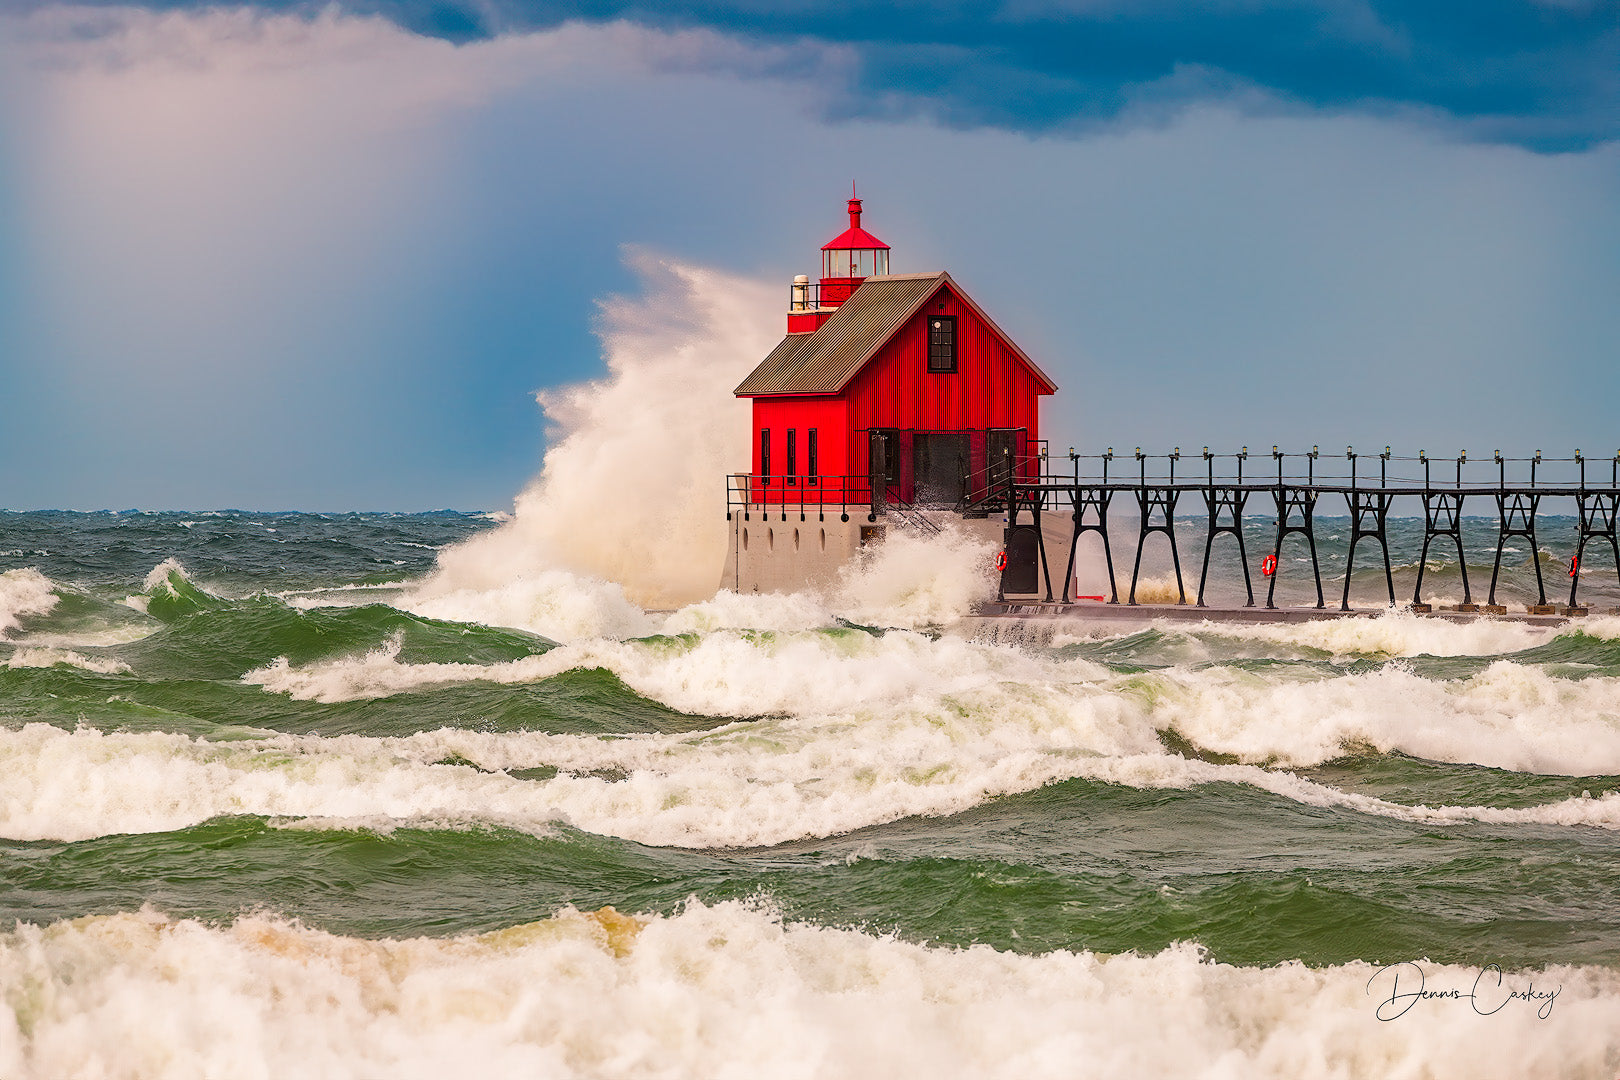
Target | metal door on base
(939,468)
(1023,547)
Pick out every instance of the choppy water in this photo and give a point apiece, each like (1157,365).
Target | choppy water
(268,810)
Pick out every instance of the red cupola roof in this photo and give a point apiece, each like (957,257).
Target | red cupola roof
(854,236)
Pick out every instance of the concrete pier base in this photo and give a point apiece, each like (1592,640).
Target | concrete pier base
(770,551)
(1147,613)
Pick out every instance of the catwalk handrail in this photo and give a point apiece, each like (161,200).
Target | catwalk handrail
(1039,483)
(1296,482)
(774,491)
(1200,471)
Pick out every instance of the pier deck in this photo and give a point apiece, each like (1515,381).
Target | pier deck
(1147,613)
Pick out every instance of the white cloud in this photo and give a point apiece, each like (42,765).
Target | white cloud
(285,231)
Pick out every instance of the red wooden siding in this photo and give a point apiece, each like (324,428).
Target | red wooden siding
(990,388)
(829,417)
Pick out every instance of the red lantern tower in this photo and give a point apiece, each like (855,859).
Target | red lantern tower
(846,260)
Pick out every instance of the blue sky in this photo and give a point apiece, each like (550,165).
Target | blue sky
(321,257)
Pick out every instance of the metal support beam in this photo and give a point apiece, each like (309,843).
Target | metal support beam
(1442,516)
(1093,500)
(1291,501)
(1028,484)
(1516,515)
(1367,507)
(1598,512)
(1227,500)
(1157,499)
(1040,540)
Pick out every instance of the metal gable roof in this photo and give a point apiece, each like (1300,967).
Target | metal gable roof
(777,368)
(825,361)
(822,362)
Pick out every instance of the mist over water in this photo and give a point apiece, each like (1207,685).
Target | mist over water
(439,795)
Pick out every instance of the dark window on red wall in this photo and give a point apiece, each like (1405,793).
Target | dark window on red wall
(810,456)
(765,456)
(792,456)
(942,344)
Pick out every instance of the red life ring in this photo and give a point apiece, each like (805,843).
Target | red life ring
(1268,565)
(1001,561)
(1574,565)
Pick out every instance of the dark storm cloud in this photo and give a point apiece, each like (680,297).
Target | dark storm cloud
(1540,74)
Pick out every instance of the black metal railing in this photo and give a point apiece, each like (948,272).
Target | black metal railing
(803,296)
(1296,482)
(748,493)
(1333,473)
(1291,488)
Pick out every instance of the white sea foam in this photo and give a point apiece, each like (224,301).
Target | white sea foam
(743,785)
(75,785)
(159,582)
(339,596)
(1174,771)
(911,580)
(731,991)
(555,604)
(44,657)
(160,577)
(23,592)
(751,611)
(1510,716)
(95,636)
(723,673)
(1606,627)
(914,579)
(853,730)
(1395,633)
(630,488)
(27,592)
(1400,633)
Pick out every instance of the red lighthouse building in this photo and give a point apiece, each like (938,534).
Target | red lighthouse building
(889,392)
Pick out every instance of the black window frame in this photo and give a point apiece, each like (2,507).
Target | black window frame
(942,354)
(764,457)
(792,453)
(812,477)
